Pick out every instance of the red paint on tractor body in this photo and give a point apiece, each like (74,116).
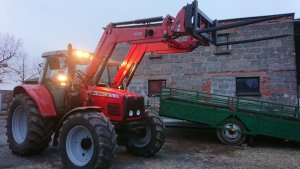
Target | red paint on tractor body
(103,96)
(41,96)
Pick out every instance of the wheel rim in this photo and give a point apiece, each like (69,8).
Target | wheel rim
(232,131)
(19,125)
(79,145)
(144,139)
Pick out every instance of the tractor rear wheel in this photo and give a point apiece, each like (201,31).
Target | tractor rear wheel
(231,132)
(27,131)
(151,139)
(87,140)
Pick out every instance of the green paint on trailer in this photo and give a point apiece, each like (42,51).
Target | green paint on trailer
(259,118)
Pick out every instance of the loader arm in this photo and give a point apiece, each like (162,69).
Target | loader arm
(136,54)
(185,32)
(156,32)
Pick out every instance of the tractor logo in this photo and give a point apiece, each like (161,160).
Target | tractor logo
(137,33)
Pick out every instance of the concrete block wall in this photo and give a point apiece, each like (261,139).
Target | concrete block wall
(202,70)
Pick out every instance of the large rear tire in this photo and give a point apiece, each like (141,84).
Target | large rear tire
(151,139)
(27,131)
(232,132)
(87,141)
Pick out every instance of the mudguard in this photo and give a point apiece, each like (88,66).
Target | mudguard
(78,109)
(41,96)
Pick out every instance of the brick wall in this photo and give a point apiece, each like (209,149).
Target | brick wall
(273,61)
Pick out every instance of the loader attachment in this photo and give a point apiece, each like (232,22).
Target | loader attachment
(182,33)
(202,27)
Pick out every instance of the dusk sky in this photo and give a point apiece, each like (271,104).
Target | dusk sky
(50,25)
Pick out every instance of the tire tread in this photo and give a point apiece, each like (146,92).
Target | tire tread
(39,131)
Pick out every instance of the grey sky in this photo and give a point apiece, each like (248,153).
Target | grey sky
(50,25)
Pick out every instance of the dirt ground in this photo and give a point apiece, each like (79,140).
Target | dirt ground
(185,148)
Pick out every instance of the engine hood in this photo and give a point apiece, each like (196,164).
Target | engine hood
(111,92)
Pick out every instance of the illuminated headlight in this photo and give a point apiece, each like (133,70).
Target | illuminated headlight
(62,79)
(130,113)
(138,112)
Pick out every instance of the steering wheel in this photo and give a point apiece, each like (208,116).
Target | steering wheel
(80,74)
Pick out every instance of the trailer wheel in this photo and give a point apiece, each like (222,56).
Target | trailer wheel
(27,131)
(151,139)
(231,132)
(87,140)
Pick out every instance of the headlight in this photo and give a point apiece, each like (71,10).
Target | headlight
(131,113)
(138,112)
(62,79)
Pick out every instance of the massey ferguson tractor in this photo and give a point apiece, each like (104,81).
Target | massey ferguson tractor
(82,99)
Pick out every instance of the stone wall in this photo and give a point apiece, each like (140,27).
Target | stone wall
(273,61)
(6,98)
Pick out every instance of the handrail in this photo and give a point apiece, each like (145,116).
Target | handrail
(232,103)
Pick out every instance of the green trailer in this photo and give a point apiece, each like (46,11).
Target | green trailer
(234,118)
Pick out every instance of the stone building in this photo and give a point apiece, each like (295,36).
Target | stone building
(264,70)
(6,94)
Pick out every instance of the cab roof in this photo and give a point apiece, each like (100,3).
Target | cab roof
(65,53)
(55,53)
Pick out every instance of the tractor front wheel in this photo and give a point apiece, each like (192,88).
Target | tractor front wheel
(87,140)
(27,131)
(150,140)
(231,132)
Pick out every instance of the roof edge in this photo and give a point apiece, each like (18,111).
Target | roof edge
(255,17)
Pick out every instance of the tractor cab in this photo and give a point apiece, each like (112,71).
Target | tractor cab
(55,76)
(63,74)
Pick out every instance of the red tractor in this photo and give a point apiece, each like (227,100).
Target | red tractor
(87,133)
(83,101)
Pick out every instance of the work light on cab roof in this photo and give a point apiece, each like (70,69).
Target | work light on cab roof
(82,54)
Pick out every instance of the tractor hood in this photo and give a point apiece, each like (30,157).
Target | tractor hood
(112,92)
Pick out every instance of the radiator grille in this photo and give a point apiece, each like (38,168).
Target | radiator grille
(114,109)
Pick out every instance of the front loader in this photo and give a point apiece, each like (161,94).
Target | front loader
(83,101)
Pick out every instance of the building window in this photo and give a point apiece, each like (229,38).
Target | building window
(154,87)
(223,50)
(247,86)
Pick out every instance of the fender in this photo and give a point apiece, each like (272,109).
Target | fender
(41,96)
(77,109)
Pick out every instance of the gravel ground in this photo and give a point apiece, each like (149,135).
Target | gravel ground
(185,148)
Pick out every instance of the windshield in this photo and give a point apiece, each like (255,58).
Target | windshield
(82,68)
(59,65)
(109,74)
(56,65)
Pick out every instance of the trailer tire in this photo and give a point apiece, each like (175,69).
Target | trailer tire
(152,138)
(231,132)
(27,131)
(87,140)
